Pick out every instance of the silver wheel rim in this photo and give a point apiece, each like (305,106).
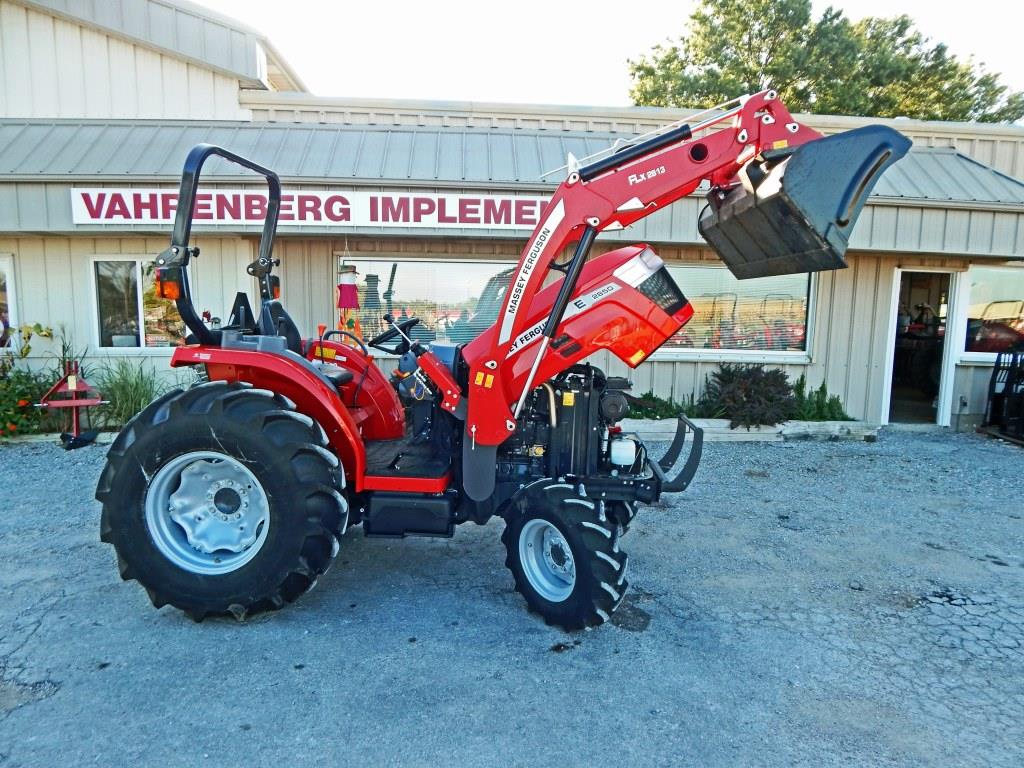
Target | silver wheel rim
(547,560)
(207,513)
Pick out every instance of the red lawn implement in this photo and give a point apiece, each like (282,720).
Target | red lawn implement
(232,496)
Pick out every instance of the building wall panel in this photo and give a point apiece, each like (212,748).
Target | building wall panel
(54,284)
(849,342)
(50,67)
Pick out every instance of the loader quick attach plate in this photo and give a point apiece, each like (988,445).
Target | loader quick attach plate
(799,206)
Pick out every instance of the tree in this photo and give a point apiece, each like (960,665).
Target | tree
(882,67)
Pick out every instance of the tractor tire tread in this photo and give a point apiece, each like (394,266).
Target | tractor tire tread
(599,562)
(323,512)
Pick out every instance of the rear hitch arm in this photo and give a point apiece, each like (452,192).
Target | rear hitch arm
(663,466)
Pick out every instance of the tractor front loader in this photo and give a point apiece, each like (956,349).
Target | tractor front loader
(232,497)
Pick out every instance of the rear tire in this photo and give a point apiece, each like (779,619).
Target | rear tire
(563,551)
(222,499)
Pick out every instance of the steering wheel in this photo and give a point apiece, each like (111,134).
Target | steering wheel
(356,339)
(393,333)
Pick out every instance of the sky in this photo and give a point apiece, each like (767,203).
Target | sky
(545,51)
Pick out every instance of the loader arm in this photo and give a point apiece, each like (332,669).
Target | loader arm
(725,150)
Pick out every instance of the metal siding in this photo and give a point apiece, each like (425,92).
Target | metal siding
(862,349)
(979,229)
(450,158)
(501,157)
(424,152)
(169,27)
(10,215)
(394,163)
(971,381)
(933,229)
(850,343)
(53,67)
(504,156)
(957,223)
(883,228)
(101,149)
(476,157)
(908,229)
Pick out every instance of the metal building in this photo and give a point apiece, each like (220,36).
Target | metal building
(430,201)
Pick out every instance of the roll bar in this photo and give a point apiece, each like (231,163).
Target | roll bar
(176,257)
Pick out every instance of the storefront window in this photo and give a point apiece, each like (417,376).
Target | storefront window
(8,322)
(762,314)
(995,310)
(457,300)
(454,300)
(129,317)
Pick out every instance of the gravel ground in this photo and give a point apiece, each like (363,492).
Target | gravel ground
(803,604)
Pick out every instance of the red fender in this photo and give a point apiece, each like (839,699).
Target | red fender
(312,396)
(369,389)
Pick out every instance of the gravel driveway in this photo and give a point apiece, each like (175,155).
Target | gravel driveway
(804,603)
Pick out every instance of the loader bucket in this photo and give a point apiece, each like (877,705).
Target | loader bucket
(796,208)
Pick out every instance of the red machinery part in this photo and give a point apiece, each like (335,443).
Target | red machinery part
(614,199)
(74,392)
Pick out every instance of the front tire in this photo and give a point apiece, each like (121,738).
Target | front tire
(564,556)
(222,499)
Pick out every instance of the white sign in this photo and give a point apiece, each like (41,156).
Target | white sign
(335,209)
(532,257)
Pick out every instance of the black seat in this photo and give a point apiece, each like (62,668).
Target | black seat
(339,377)
(275,321)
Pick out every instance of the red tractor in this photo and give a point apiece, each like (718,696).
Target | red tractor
(231,497)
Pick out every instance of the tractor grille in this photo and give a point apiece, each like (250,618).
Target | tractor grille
(663,291)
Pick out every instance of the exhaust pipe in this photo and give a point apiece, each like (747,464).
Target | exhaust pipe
(795,208)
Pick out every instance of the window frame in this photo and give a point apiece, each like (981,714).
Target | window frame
(963,306)
(8,266)
(142,350)
(791,357)
(357,258)
(768,356)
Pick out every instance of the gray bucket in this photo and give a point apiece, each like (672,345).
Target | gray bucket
(797,207)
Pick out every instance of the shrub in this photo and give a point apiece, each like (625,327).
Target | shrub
(750,395)
(130,387)
(650,406)
(67,354)
(816,405)
(20,390)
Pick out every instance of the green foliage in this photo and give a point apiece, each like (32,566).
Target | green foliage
(816,405)
(20,344)
(20,390)
(882,67)
(68,354)
(650,406)
(750,395)
(129,387)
